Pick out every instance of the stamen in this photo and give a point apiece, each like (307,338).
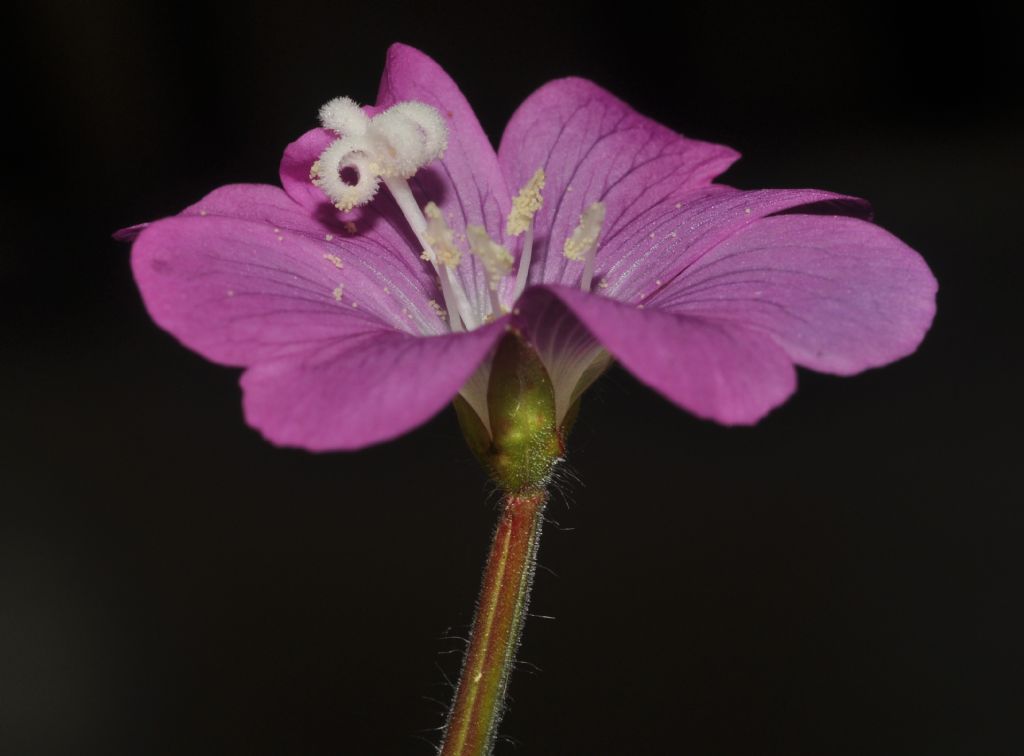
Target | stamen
(582,245)
(520,220)
(524,263)
(526,204)
(452,290)
(497,261)
(441,238)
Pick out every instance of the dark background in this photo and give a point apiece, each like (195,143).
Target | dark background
(843,579)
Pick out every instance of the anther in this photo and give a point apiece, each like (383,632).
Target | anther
(582,245)
(520,220)
(495,258)
(526,204)
(441,237)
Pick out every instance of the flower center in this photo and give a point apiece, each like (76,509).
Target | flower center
(390,148)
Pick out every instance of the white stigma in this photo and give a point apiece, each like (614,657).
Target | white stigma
(582,245)
(393,144)
(342,115)
(406,137)
(390,148)
(345,173)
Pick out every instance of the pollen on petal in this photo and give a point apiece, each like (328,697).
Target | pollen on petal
(584,237)
(334,260)
(338,291)
(441,237)
(438,309)
(497,260)
(526,204)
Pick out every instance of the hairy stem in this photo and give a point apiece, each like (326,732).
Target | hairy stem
(497,627)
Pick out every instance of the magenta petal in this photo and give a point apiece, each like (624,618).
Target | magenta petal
(838,294)
(467,183)
(646,253)
(715,369)
(362,390)
(296,162)
(380,250)
(242,290)
(593,146)
(129,233)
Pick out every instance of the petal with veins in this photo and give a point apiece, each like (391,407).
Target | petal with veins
(361,390)
(838,294)
(645,254)
(261,283)
(715,369)
(594,147)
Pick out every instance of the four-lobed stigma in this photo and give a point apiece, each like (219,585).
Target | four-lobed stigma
(390,148)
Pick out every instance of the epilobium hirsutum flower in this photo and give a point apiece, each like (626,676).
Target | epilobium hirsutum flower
(594,232)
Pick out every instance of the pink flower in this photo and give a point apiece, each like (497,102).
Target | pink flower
(710,295)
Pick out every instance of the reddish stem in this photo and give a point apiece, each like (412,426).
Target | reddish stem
(497,627)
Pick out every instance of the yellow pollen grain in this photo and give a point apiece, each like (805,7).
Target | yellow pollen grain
(334,260)
(438,309)
(603,284)
(526,204)
(338,291)
(328,237)
(314,170)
